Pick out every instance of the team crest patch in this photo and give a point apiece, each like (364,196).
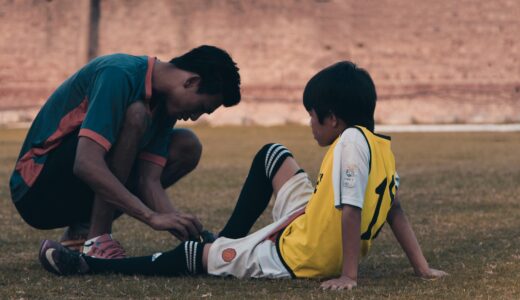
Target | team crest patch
(229,254)
(350,176)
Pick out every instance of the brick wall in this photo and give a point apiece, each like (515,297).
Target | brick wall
(430,51)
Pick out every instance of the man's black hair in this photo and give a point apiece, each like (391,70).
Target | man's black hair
(344,90)
(217,70)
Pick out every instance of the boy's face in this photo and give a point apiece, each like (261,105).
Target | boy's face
(326,133)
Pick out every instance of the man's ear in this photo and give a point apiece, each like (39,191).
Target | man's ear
(192,82)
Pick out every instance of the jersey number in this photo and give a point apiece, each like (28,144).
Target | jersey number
(380,190)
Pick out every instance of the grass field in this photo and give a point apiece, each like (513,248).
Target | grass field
(460,191)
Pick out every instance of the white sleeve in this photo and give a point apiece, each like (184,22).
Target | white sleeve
(354,166)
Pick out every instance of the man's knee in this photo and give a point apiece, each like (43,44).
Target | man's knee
(185,147)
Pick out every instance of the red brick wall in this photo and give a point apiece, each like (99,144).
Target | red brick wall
(445,48)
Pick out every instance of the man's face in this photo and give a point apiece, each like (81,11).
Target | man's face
(184,103)
(325,133)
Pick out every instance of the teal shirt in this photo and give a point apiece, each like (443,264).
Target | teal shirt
(93,100)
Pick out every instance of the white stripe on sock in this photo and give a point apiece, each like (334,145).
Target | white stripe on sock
(276,160)
(191,257)
(271,158)
(273,146)
(186,254)
(194,258)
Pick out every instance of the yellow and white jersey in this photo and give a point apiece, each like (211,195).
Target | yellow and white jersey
(311,245)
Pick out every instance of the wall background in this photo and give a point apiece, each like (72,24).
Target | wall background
(432,61)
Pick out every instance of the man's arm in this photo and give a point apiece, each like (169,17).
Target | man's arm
(91,167)
(351,241)
(154,195)
(406,237)
(150,188)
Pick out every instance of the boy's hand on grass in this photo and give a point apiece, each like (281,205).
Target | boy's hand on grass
(340,283)
(432,274)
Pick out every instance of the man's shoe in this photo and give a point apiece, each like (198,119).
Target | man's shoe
(74,245)
(104,247)
(59,260)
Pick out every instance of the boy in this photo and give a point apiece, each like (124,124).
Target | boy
(104,144)
(317,232)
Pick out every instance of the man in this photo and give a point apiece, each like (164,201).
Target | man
(104,144)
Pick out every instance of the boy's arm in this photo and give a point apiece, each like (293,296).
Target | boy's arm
(350,228)
(406,237)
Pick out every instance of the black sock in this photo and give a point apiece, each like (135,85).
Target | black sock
(256,191)
(186,259)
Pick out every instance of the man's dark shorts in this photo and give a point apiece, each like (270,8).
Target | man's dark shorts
(57,198)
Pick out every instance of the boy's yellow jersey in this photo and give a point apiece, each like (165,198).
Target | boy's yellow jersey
(311,245)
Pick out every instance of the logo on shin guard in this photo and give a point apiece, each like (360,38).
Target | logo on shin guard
(229,254)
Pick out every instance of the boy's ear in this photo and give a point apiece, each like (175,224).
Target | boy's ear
(192,82)
(333,119)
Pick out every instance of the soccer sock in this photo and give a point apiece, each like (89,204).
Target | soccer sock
(256,191)
(186,259)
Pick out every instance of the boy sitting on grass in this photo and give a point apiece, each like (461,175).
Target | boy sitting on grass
(317,232)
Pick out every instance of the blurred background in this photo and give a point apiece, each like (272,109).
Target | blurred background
(433,62)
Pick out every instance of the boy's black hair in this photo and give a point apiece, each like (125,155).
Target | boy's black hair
(217,70)
(344,90)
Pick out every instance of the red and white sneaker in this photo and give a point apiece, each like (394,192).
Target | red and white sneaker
(104,246)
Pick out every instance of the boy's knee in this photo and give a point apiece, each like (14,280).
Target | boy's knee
(271,156)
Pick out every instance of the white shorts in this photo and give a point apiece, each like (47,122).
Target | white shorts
(255,256)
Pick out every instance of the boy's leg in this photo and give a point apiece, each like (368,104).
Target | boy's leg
(272,166)
(186,259)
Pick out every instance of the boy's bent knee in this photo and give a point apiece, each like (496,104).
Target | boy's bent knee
(271,156)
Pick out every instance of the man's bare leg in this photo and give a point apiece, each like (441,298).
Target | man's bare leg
(149,182)
(184,156)
(120,160)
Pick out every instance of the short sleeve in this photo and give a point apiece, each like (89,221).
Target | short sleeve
(108,99)
(157,149)
(354,164)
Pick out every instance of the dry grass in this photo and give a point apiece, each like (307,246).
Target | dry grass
(460,192)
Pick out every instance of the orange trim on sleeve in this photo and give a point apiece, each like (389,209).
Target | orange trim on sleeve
(148,80)
(154,158)
(96,137)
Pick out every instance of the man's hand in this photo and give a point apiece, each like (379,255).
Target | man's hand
(431,274)
(340,283)
(182,226)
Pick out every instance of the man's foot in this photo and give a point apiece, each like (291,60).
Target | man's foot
(104,247)
(74,245)
(75,236)
(59,260)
